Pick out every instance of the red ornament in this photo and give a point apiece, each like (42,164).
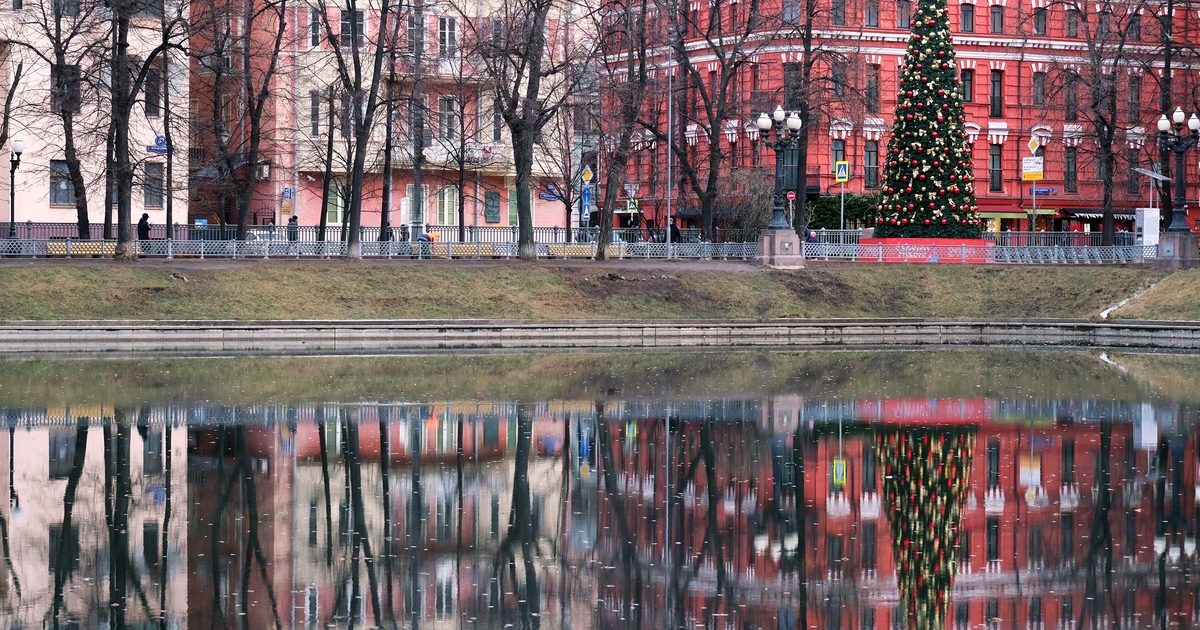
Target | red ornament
(941,53)
(903,221)
(918,66)
(914,162)
(910,207)
(926,223)
(935,162)
(942,192)
(921,177)
(945,105)
(891,190)
(931,206)
(952,178)
(908,190)
(943,222)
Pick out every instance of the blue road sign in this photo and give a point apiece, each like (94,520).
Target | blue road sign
(160,141)
(842,171)
(547,196)
(587,198)
(287,193)
(1043,191)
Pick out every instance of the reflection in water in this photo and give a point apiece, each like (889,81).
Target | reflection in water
(728,514)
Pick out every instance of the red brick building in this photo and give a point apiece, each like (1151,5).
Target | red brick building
(1025,71)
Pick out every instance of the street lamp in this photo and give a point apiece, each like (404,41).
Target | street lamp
(18,147)
(1175,141)
(783,141)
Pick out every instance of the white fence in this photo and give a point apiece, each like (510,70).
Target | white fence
(1037,254)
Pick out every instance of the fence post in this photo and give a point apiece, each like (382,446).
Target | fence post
(29,230)
(68,247)
(904,252)
(880,251)
(963,258)
(202,241)
(170,248)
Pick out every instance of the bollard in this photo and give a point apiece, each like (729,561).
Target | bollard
(202,249)
(963,257)
(170,248)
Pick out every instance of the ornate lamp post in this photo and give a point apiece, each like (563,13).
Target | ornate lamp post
(783,140)
(1176,142)
(18,148)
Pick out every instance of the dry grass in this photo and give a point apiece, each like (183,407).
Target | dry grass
(1176,297)
(48,290)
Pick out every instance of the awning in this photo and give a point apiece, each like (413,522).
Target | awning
(1014,214)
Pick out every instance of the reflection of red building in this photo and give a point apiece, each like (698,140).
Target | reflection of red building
(1033,509)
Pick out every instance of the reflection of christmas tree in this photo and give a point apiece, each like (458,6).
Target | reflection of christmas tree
(925,488)
(927,182)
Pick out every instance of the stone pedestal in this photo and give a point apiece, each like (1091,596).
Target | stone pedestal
(781,249)
(1178,250)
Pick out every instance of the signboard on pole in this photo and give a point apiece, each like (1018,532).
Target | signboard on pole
(841,171)
(1034,144)
(587,174)
(791,195)
(586,198)
(631,206)
(1031,169)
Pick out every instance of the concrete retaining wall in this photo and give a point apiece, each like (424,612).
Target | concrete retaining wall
(365,337)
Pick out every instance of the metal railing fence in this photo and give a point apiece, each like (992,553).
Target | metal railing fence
(1003,254)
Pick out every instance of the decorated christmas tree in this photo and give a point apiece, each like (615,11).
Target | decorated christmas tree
(926,474)
(928,187)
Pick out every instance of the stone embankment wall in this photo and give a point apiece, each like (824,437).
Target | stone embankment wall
(404,336)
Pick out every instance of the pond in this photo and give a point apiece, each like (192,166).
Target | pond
(817,490)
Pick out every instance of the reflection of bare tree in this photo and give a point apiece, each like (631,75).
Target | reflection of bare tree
(632,599)
(325,481)
(119,490)
(414,523)
(712,538)
(520,530)
(1100,545)
(166,528)
(801,503)
(358,535)
(385,460)
(64,562)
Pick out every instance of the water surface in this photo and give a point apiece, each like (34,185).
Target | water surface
(832,491)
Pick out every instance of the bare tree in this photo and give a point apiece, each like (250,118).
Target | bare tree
(532,78)
(360,82)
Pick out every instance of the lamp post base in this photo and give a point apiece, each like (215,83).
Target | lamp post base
(781,249)
(1178,250)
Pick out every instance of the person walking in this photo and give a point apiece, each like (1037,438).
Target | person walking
(143,227)
(293,229)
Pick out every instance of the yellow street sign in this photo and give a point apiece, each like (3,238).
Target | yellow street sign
(587,174)
(841,171)
(1033,145)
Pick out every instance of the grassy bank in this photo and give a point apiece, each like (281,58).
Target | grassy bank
(44,290)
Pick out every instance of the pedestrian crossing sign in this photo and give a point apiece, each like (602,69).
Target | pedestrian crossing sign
(631,206)
(841,171)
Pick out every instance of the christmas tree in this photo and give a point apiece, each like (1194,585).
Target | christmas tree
(928,189)
(925,490)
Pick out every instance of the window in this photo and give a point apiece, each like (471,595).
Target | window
(1069,170)
(314,113)
(447,37)
(153,91)
(791,86)
(837,73)
(1039,88)
(497,121)
(62,191)
(871,180)
(1035,547)
(962,616)
(903,14)
(997,21)
(147,8)
(66,8)
(1164,27)
(312,524)
(1103,25)
(18,5)
(153,193)
(444,599)
(993,539)
(1068,610)
(152,453)
(966,18)
(336,205)
(791,12)
(513,211)
(414,35)
(755,83)
(872,95)
(1068,449)
(62,454)
(491,207)
(868,465)
(1135,98)
(871,14)
(997,94)
(838,150)
(1072,26)
(447,206)
(1132,184)
(1068,536)
(314,28)
(1035,611)
(1039,21)
(150,544)
(867,619)
(353,28)
(1070,99)
(64,550)
(64,88)
(837,12)
(995,169)
(968,85)
(868,546)
(1133,27)
(448,118)
(991,613)
(964,547)
(993,463)
(834,554)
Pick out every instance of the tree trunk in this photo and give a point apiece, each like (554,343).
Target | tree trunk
(327,178)
(122,105)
